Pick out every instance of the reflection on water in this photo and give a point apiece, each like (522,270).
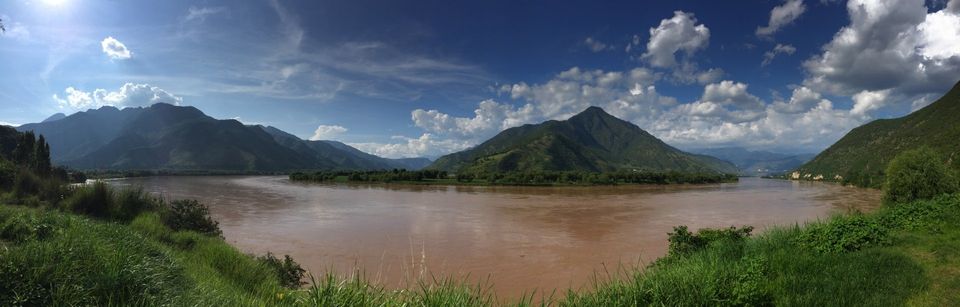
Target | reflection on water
(518,238)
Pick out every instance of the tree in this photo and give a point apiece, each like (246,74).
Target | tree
(41,164)
(23,155)
(918,174)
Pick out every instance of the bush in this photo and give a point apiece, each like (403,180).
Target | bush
(131,202)
(25,184)
(191,215)
(94,200)
(683,242)
(8,173)
(918,174)
(289,272)
(844,234)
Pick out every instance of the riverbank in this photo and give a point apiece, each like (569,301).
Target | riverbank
(907,254)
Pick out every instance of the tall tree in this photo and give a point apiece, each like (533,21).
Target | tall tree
(41,157)
(25,152)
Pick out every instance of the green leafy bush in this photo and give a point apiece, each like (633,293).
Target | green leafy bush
(844,234)
(288,271)
(751,286)
(918,174)
(191,215)
(683,242)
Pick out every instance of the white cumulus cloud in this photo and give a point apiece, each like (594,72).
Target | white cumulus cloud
(427,145)
(129,95)
(114,49)
(678,33)
(327,132)
(894,45)
(867,101)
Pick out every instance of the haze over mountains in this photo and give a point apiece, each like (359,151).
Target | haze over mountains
(862,155)
(590,141)
(757,163)
(169,137)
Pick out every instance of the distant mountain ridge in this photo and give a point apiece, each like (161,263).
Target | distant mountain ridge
(168,137)
(592,140)
(757,163)
(861,156)
(54,117)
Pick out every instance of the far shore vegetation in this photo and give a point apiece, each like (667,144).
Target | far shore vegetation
(93,245)
(531,178)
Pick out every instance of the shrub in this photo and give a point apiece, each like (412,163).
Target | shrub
(683,242)
(918,174)
(8,173)
(844,234)
(751,286)
(25,183)
(95,200)
(131,202)
(289,272)
(191,215)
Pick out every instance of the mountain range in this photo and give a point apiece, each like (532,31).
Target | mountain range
(861,156)
(757,162)
(168,137)
(592,141)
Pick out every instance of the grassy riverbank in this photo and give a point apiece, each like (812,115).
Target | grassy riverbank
(906,254)
(93,245)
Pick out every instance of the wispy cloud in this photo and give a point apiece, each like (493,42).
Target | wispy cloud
(201,13)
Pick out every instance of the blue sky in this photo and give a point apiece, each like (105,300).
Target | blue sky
(428,78)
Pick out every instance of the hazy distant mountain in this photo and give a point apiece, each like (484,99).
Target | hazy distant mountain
(590,141)
(757,163)
(80,134)
(54,117)
(170,137)
(412,163)
(862,155)
(344,155)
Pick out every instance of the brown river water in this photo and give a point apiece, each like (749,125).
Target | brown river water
(519,239)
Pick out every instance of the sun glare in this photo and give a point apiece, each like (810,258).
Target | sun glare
(54,3)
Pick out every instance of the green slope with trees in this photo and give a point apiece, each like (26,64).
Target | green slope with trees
(861,156)
(591,141)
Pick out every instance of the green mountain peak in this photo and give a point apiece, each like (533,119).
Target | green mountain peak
(592,140)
